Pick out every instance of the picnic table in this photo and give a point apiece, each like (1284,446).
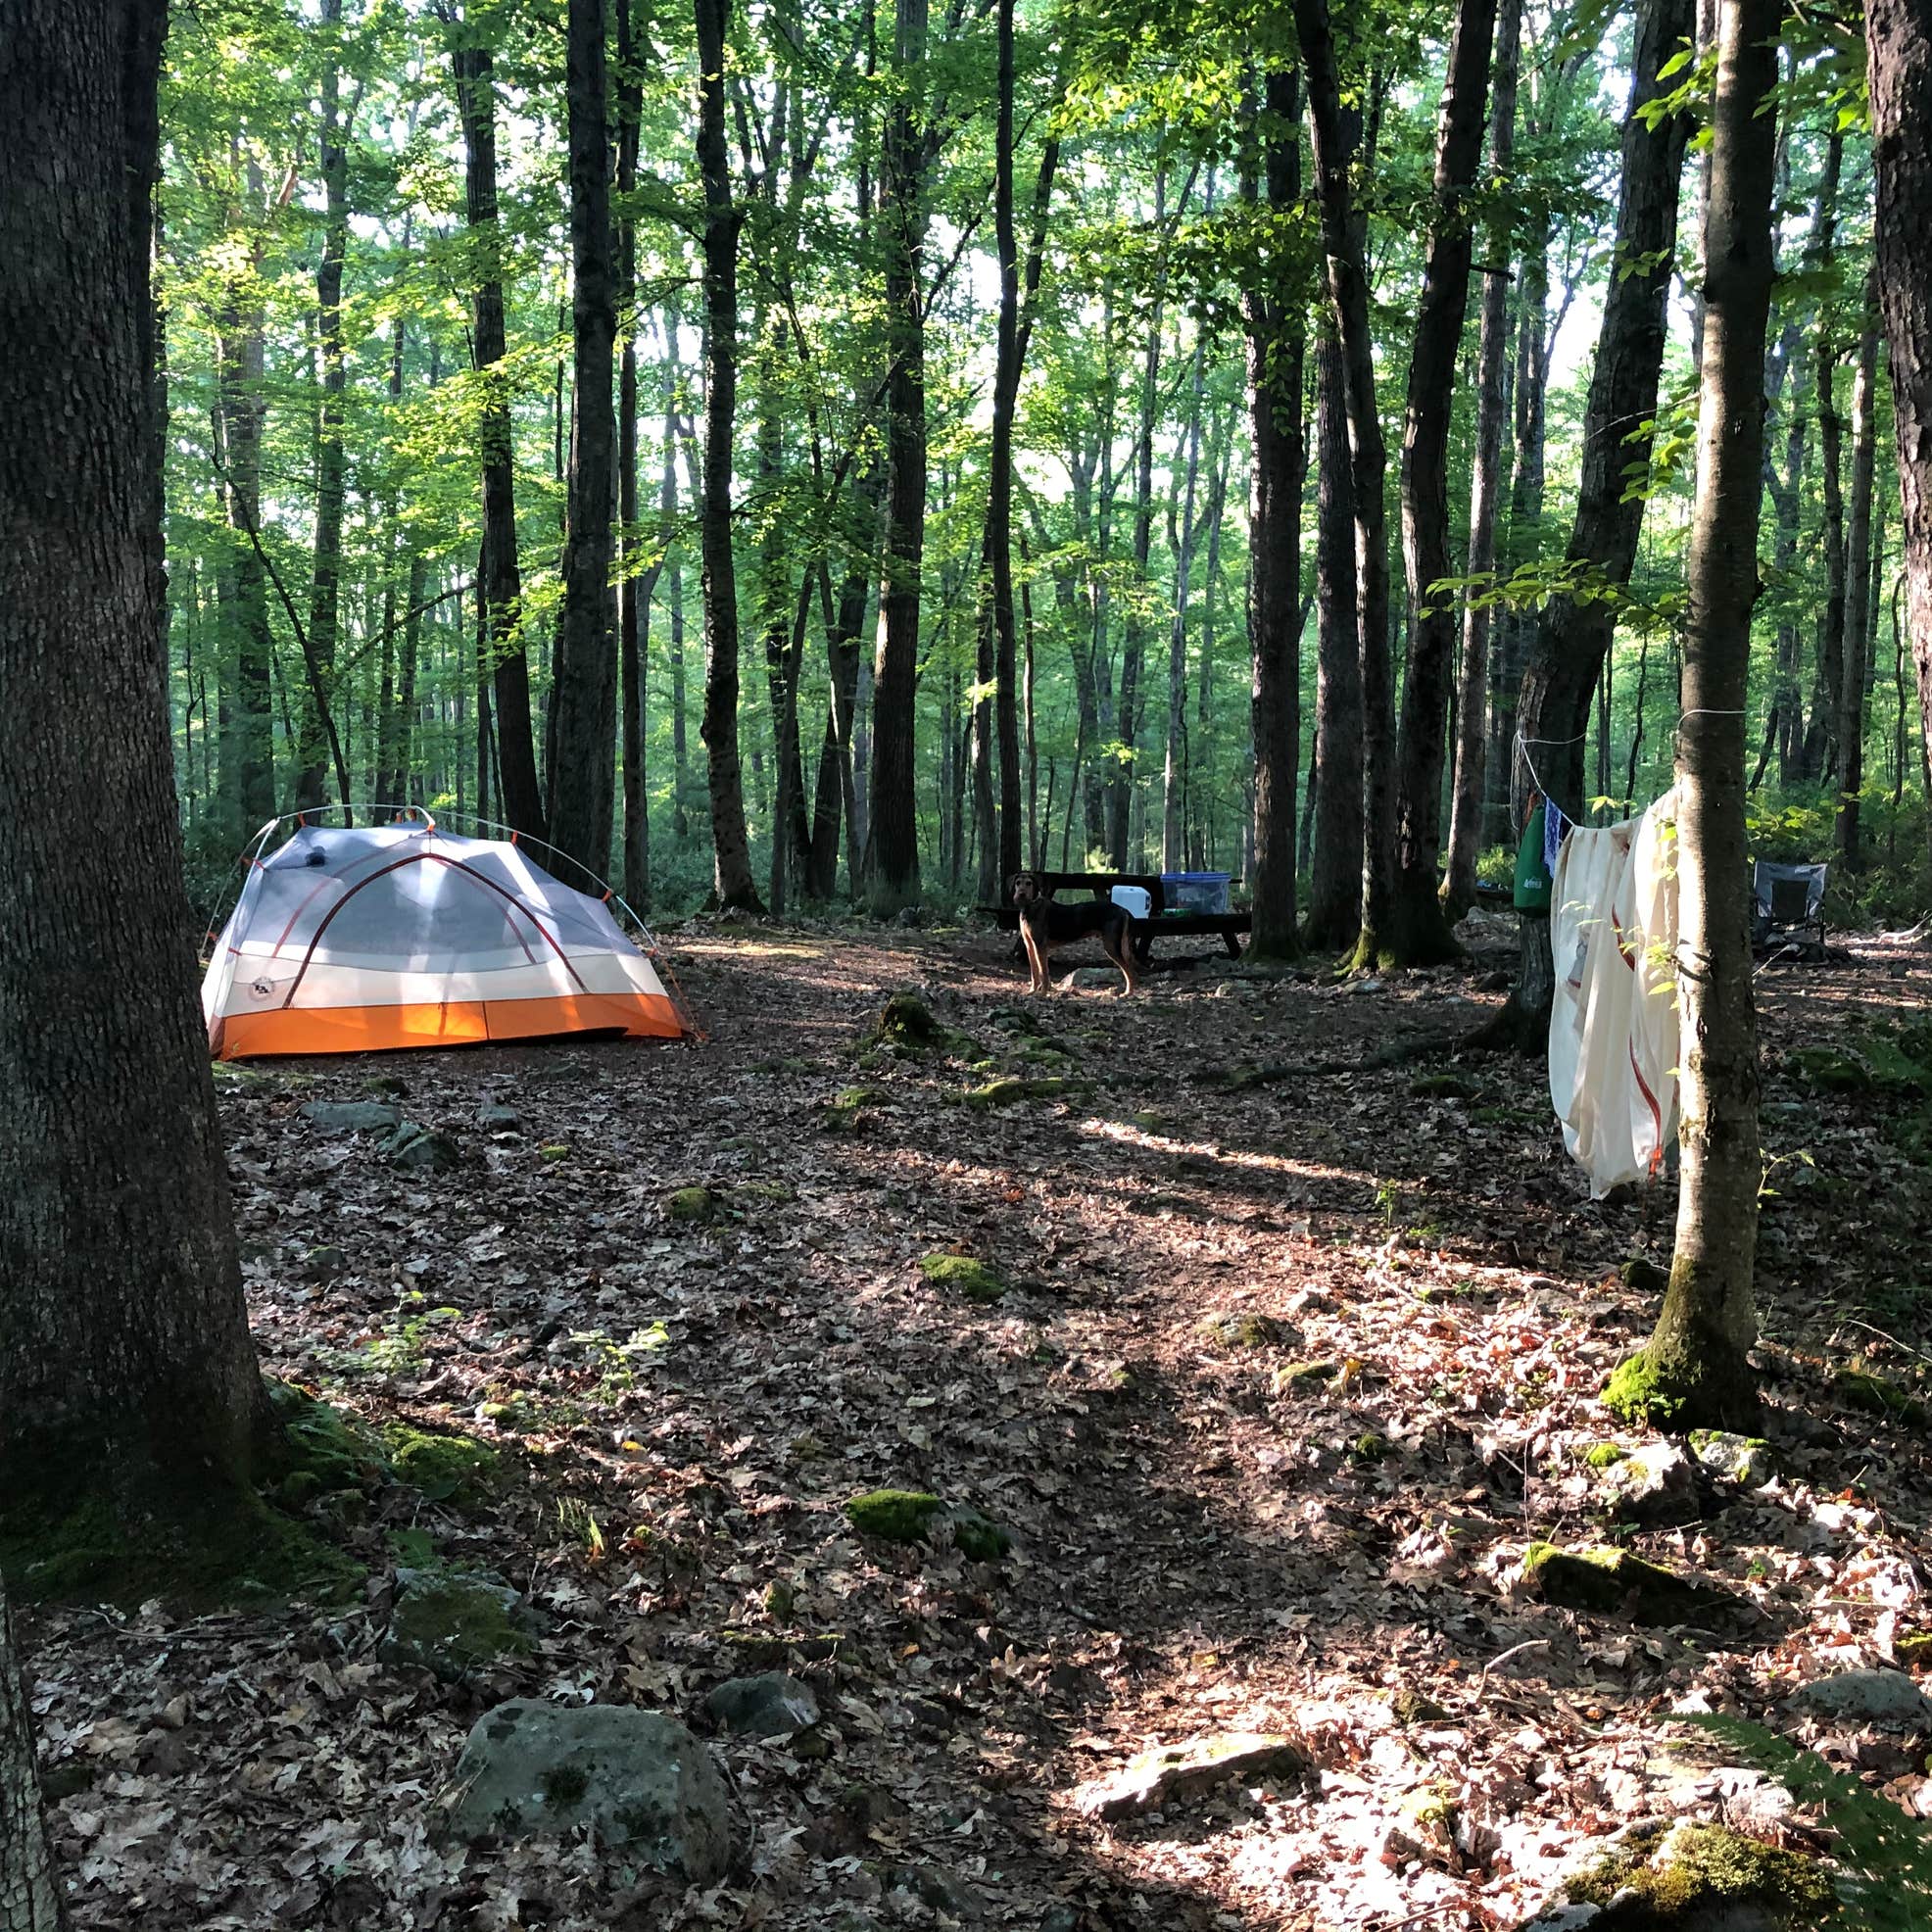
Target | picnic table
(1162,924)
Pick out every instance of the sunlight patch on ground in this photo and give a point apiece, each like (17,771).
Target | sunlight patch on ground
(1128,1136)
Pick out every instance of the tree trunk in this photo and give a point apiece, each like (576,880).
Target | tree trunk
(1133,642)
(312,751)
(1486,481)
(730,842)
(892,820)
(1275,332)
(248,745)
(999,483)
(126,1372)
(1694,1372)
(1173,773)
(584,682)
(1860,587)
(1574,632)
(1530,384)
(633,596)
(1418,934)
(502,585)
(30,1888)
(1349,291)
(1820,757)
(1334,878)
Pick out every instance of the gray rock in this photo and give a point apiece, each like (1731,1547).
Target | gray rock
(1060,1918)
(1885,1698)
(1656,1484)
(770,1705)
(351,1116)
(937,1889)
(1158,1778)
(495,1118)
(639,1779)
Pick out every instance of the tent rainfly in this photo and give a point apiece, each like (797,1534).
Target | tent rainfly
(344,940)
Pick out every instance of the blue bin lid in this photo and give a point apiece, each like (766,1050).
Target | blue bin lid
(1196,878)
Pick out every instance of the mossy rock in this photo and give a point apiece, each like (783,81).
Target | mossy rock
(1012,1089)
(908,1029)
(1915,1651)
(558,1150)
(1368,1449)
(452,1624)
(1703,1875)
(962,1273)
(1304,1377)
(1408,1705)
(915,1516)
(1604,1455)
(513,1418)
(1610,1582)
(1242,1331)
(1642,1275)
(1150,1122)
(844,1112)
(1745,1460)
(1878,1395)
(765,1193)
(894,1516)
(697,1207)
(444,1467)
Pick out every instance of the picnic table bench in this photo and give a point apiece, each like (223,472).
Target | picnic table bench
(1162,924)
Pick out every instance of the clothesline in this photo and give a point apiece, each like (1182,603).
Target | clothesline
(1524,742)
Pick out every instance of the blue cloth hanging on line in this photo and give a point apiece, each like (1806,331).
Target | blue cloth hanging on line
(1555,825)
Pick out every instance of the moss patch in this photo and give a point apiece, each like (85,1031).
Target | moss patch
(1665,1878)
(960,1272)
(452,1624)
(1604,1455)
(695,1206)
(894,1516)
(444,1468)
(1304,1377)
(1369,1449)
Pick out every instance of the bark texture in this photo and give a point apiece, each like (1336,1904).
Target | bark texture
(1859,594)
(30,1888)
(126,1364)
(583,716)
(1695,1371)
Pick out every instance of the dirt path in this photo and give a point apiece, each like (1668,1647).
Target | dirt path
(1285,1380)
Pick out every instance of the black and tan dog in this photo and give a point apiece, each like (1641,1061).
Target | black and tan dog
(1046,925)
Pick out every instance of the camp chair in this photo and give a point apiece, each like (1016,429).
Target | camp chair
(1787,903)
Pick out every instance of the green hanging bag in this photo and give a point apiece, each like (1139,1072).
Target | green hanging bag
(1532,876)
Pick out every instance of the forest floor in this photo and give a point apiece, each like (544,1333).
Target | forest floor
(1201,1541)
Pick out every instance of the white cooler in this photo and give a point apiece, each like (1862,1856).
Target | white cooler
(1136,901)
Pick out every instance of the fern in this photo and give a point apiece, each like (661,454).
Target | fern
(1886,1855)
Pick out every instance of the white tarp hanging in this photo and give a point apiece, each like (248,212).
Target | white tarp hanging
(1613,1020)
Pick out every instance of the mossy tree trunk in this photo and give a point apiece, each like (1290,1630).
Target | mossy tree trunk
(126,1372)
(29,1891)
(1694,1372)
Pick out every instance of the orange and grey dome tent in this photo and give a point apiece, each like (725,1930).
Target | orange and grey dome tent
(348,939)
